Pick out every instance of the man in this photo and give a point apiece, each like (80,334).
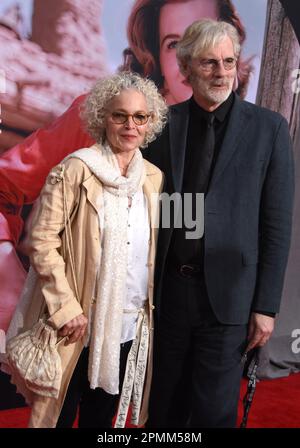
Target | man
(216,297)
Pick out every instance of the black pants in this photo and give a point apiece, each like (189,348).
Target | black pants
(197,360)
(96,407)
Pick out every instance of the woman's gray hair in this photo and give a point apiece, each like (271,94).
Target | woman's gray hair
(202,35)
(94,107)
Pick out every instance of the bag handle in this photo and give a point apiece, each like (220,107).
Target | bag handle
(69,239)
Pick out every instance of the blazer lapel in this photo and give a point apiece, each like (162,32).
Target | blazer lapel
(179,119)
(237,127)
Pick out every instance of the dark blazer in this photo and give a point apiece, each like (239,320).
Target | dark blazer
(248,208)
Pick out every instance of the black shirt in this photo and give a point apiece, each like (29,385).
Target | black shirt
(182,250)
(197,129)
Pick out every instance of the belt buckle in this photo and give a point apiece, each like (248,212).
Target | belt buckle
(186,270)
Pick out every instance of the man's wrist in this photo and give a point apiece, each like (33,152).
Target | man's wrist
(265,313)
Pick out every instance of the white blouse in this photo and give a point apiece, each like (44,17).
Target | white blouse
(138,237)
(137,271)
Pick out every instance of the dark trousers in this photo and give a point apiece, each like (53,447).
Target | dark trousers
(96,407)
(197,364)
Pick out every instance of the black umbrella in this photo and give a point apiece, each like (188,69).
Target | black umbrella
(248,398)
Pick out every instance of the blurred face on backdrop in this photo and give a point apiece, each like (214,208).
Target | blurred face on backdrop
(175,17)
(212,74)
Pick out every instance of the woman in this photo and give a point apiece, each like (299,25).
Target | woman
(109,193)
(154,28)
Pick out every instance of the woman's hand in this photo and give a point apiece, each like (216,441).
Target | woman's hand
(74,329)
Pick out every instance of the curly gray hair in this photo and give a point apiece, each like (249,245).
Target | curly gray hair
(93,112)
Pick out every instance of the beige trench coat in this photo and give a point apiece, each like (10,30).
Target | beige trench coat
(50,258)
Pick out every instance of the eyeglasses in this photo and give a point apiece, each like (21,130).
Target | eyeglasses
(138,118)
(210,65)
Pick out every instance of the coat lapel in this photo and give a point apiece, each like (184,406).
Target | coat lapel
(179,120)
(152,188)
(237,127)
(93,191)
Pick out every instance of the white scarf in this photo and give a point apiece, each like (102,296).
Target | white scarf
(104,356)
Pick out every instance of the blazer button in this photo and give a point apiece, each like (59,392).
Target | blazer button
(93,300)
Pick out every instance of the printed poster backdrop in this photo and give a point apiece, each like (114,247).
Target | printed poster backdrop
(47,60)
(38,59)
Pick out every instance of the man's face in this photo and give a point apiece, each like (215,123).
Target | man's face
(211,87)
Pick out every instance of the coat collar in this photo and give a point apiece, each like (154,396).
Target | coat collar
(179,121)
(237,128)
(151,170)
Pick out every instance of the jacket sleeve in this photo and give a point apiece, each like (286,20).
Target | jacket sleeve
(45,243)
(23,168)
(275,223)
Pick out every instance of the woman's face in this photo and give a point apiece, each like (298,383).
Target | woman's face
(129,136)
(175,17)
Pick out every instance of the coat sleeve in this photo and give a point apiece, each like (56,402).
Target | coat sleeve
(45,243)
(23,168)
(275,223)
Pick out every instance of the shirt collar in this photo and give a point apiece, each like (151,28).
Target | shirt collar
(220,113)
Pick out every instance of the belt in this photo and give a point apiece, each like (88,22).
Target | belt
(187,270)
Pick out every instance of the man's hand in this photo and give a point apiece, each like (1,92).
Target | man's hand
(74,329)
(260,330)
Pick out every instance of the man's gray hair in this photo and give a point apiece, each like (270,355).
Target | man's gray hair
(202,35)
